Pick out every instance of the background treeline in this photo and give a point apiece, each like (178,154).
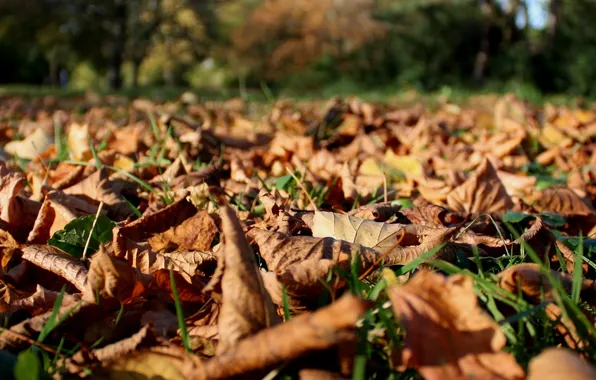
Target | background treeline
(301,44)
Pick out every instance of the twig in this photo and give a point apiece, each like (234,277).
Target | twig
(31,341)
(91,230)
(387,252)
(299,182)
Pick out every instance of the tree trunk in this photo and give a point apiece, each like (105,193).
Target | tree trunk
(136,67)
(554,10)
(483,53)
(115,68)
(117,47)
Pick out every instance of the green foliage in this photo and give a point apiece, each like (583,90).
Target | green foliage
(28,366)
(73,237)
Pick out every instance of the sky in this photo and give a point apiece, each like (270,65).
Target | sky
(537,12)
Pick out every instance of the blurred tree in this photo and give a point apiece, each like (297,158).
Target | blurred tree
(281,37)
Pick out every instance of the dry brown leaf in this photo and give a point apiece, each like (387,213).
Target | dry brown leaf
(187,292)
(81,359)
(110,278)
(529,279)
(154,363)
(193,234)
(15,217)
(257,354)
(77,319)
(8,247)
(448,336)
(99,188)
(56,261)
(379,212)
(41,301)
(57,210)
(483,192)
(560,363)
(142,229)
(246,306)
(561,200)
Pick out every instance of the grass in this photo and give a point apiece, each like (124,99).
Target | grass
(267,95)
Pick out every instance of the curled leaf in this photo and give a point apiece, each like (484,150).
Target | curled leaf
(447,334)
(57,262)
(110,278)
(246,305)
(322,329)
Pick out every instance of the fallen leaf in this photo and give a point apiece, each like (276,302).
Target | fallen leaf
(447,334)
(322,329)
(193,234)
(114,351)
(246,306)
(110,278)
(159,362)
(561,200)
(383,237)
(78,142)
(483,192)
(56,261)
(32,146)
(559,363)
(187,292)
(379,212)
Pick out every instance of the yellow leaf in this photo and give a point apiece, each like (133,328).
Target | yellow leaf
(551,136)
(409,165)
(124,163)
(370,167)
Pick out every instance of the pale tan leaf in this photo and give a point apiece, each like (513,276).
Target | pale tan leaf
(32,146)
(58,262)
(483,192)
(382,237)
(78,142)
(447,334)
(560,363)
(320,330)
(246,306)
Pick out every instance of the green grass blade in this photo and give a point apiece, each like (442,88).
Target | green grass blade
(578,278)
(180,313)
(414,263)
(51,324)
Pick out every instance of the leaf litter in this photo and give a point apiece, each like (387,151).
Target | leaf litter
(298,240)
